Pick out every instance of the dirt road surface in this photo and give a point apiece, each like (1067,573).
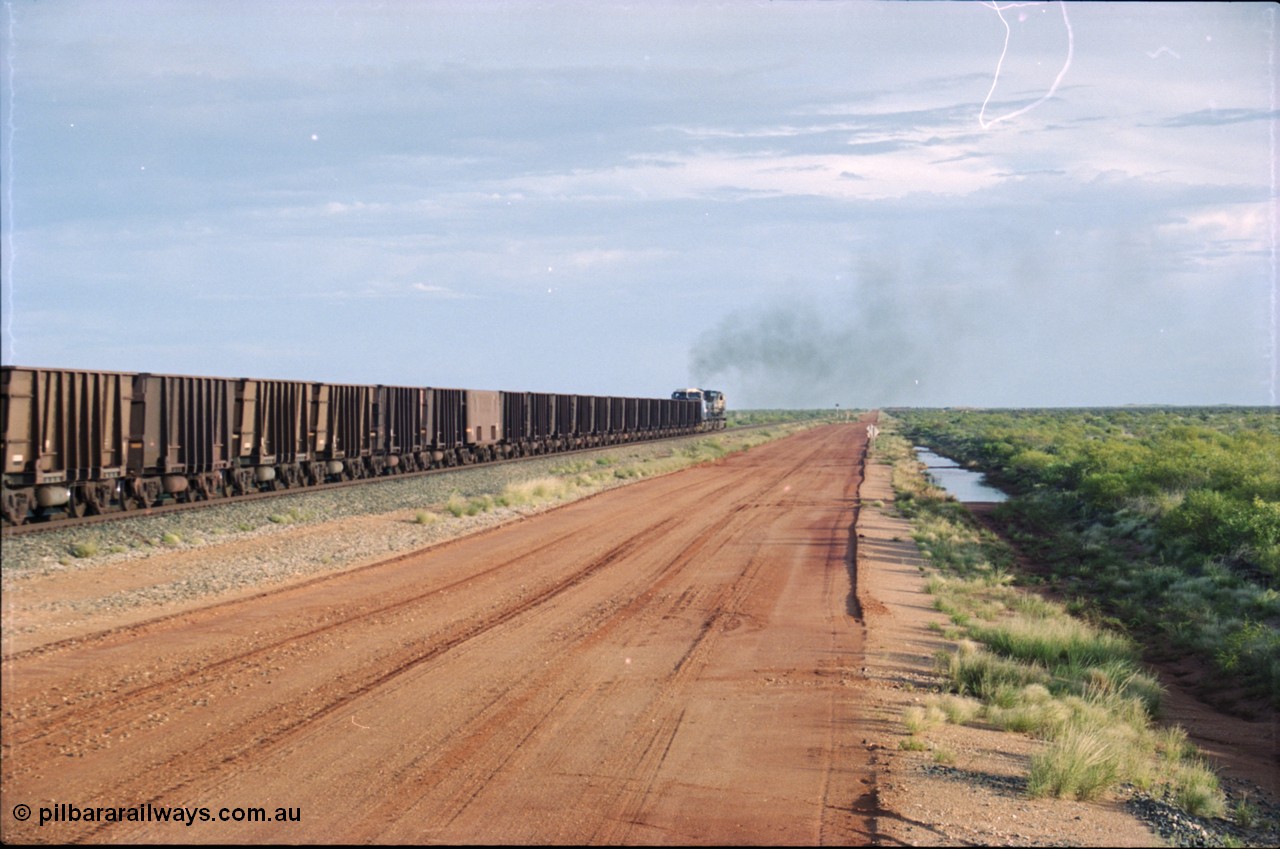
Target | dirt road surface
(674,662)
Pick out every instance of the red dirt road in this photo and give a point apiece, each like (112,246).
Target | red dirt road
(671,662)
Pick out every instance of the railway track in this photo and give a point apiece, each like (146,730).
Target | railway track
(66,522)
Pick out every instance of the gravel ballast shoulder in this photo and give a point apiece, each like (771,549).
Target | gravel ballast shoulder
(237,547)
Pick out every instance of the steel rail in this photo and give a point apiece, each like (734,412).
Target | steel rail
(68,522)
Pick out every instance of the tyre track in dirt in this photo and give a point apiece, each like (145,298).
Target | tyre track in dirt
(469,666)
(463,762)
(158,694)
(66,717)
(258,731)
(464,759)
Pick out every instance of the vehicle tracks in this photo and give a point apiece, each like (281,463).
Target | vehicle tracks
(660,663)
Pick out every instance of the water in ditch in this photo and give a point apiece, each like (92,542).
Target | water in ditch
(961,483)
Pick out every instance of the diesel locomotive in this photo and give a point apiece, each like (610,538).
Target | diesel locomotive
(77,443)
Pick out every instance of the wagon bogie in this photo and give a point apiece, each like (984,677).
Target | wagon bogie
(78,443)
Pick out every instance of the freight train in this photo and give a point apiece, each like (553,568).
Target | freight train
(78,443)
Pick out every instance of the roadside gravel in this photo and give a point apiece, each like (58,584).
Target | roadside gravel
(173,560)
(143,535)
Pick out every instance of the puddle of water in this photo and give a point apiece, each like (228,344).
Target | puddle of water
(961,483)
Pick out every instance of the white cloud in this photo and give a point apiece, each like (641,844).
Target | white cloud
(436,291)
(1244,227)
(595,258)
(711,175)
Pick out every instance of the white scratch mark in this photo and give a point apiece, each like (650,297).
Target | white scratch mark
(1274,350)
(10,132)
(982,120)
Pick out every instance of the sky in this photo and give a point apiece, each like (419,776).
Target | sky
(803,204)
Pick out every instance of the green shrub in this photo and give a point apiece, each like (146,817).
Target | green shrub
(1057,641)
(1076,684)
(958,710)
(1166,519)
(1244,813)
(1196,790)
(86,548)
(1077,765)
(456,505)
(979,673)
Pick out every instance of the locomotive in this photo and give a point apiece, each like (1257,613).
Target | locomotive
(78,443)
(711,399)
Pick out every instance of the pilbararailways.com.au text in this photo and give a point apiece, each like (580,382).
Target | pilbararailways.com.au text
(65,812)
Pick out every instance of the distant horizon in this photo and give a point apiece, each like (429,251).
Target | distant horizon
(925,205)
(732,409)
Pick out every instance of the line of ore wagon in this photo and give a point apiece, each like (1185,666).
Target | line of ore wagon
(80,443)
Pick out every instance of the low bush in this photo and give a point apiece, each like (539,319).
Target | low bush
(1025,664)
(85,548)
(1077,765)
(1169,519)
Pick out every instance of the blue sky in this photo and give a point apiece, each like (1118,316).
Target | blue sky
(800,203)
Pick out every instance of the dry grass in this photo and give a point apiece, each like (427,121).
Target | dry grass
(1024,664)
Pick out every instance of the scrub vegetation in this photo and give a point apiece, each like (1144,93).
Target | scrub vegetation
(1163,521)
(1024,663)
(578,477)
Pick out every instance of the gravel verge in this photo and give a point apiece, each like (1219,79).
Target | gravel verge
(226,548)
(1173,825)
(1182,829)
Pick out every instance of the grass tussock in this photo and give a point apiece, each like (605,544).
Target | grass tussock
(1025,664)
(84,548)
(920,718)
(1166,519)
(1076,765)
(578,477)
(292,516)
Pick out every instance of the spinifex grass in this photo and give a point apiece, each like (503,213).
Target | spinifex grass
(578,477)
(1035,669)
(1166,519)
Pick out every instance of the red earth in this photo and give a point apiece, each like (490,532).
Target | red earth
(717,656)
